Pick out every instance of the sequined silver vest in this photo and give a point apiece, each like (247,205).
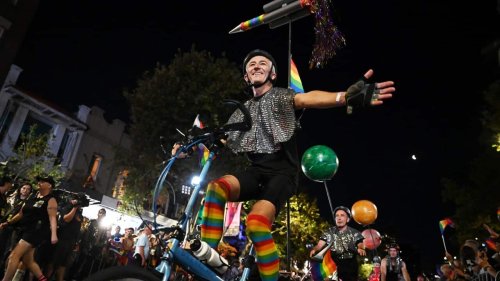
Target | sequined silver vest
(273,117)
(344,243)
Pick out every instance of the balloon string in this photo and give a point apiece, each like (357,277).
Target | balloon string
(329,200)
(374,243)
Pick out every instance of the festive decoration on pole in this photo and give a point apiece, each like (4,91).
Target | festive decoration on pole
(295,82)
(319,163)
(323,270)
(197,122)
(203,154)
(279,12)
(364,212)
(445,223)
(442,227)
(372,238)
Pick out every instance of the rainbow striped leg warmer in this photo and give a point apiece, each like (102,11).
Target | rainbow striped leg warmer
(259,230)
(213,212)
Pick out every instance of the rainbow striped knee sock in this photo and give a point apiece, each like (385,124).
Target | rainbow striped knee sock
(213,212)
(259,230)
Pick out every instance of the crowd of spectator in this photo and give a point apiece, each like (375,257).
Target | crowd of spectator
(83,246)
(79,247)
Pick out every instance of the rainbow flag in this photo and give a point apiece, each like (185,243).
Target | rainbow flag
(321,271)
(203,153)
(295,82)
(445,223)
(198,123)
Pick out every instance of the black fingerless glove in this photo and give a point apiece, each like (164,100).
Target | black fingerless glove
(359,95)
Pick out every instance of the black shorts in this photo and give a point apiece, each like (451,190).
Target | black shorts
(35,237)
(274,182)
(62,251)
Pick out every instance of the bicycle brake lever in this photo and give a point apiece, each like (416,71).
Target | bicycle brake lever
(244,125)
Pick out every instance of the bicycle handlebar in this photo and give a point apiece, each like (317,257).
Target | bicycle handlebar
(196,134)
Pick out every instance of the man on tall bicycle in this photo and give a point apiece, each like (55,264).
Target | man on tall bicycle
(270,145)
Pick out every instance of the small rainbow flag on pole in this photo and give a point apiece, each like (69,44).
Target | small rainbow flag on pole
(203,154)
(323,270)
(445,223)
(295,82)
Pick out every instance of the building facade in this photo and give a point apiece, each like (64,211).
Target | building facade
(85,143)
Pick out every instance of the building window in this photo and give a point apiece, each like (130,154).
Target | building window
(40,128)
(62,148)
(94,167)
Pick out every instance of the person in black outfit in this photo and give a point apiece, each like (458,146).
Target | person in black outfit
(9,236)
(69,229)
(5,187)
(39,216)
(345,244)
(392,267)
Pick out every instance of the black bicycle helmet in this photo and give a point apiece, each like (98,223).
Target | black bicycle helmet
(259,52)
(343,208)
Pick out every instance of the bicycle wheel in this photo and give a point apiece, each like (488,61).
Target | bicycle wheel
(124,273)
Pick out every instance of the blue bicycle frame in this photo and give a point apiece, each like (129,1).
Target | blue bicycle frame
(174,252)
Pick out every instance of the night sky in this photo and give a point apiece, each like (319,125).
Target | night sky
(87,52)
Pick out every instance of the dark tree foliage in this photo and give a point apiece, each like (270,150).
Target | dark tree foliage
(476,196)
(169,98)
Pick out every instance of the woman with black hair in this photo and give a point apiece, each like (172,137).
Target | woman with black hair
(39,215)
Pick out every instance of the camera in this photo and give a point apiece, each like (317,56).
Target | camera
(82,200)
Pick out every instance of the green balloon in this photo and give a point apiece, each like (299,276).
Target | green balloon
(319,163)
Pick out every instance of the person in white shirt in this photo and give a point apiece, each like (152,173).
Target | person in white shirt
(142,247)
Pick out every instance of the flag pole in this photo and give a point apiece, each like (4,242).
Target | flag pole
(288,257)
(444,244)
(329,199)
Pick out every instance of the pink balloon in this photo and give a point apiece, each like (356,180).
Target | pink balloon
(372,238)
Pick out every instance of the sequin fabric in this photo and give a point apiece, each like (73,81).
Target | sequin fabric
(344,243)
(273,117)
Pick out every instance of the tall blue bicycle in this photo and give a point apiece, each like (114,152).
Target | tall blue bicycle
(173,254)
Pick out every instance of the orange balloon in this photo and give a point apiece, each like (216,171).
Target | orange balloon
(364,212)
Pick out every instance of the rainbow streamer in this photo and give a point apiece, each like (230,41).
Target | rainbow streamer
(203,154)
(295,82)
(251,23)
(445,223)
(321,271)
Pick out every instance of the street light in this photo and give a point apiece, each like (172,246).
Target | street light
(195,180)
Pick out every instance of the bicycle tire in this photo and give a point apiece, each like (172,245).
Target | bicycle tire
(124,273)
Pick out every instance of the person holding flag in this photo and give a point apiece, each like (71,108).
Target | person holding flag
(344,245)
(270,145)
